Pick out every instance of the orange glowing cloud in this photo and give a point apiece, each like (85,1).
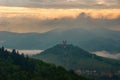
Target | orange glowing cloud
(22,20)
(43,13)
(37,12)
(104,13)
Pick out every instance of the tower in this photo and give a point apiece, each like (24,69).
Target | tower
(2,49)
(64,43)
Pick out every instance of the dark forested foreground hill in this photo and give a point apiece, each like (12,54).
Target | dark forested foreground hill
(19,67)
(81,61)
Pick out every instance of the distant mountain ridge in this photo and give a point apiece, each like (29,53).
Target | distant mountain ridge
(91,40)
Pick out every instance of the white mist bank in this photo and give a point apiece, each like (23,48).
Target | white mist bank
(107,54)
(30,52)
(27,52)
(98,53)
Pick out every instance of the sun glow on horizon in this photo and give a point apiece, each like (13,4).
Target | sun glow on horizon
(22,20)
(43,13)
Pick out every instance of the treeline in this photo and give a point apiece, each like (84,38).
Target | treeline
(15,66)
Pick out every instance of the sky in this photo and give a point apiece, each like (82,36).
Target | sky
(25,16)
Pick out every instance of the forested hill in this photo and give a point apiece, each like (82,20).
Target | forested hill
(74,57)
(14,66)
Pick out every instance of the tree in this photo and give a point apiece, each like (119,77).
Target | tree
(13,51)
(2,49)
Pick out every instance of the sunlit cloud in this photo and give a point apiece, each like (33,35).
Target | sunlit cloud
(43,13)
(23,19)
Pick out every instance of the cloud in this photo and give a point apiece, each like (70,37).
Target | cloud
(44,13)
(62,3)
(115,28)
(23,20)
(23,25)
(107,54)
(84,21)
(41,13)
(33,24)
(28,52)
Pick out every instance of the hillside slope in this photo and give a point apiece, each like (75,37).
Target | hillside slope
(73,57)
(18,67)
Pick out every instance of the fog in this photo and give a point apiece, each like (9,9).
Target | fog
(107,54)
(28,52)
(98,53)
